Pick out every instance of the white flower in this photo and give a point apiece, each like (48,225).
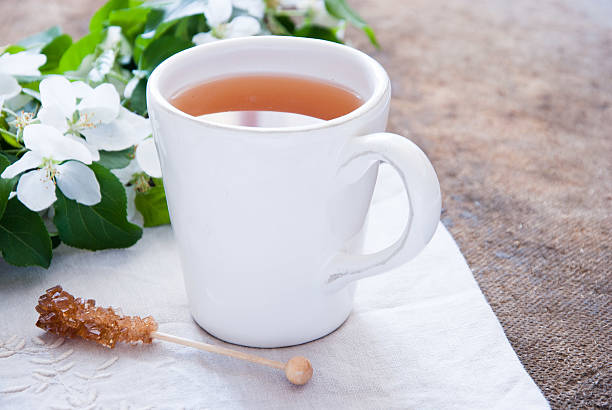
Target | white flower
(255,8)
(317,13)
(218,13)
(145,151)
(22,63)
(121,133)
(53,159)
(96,113)
(113,46)
(96,66)
(59,104)
(241,26)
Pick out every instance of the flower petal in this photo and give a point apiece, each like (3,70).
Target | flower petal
(9,87)
(203,38)
(29,160)
(95,155)
(125,174)
(22,63)
(52,115)
(146,155)
(132,213)
(255,8)
(78,182)
(102,105)
(217,12)
(130,87)
(113,37)
(93,151)
(81,89)
(242,26)
(49,142)
(128,129)
(57,91)
(141,125)
(36,190)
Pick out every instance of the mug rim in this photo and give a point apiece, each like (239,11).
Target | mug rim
(382,84)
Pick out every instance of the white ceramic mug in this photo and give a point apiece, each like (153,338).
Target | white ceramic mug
(269,220)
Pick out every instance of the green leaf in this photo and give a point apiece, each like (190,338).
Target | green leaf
(140,44)
(12,49)
(154,22)
(132,21)
(101,226)
(189,26)
(138,102)
(280,24)
(341,10)
(9,139)
(5,135)
(24,240)
(71,60)
(184,29)
(153,30)
(161,49)
(152,205)
(32,85)
(55,241)
(167,14)
(116,159)
(54,51)
(6,185)
(40,39)
(315,31)
(101,16)
(176,9)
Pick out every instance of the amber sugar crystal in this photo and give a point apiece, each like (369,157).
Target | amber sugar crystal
(67,316)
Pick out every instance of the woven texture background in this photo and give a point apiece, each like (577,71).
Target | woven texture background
(513,103)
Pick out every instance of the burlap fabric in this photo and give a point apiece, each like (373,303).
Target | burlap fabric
(513,103)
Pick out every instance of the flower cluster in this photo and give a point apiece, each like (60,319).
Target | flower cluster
(74,123)
(241,18)
(78,164)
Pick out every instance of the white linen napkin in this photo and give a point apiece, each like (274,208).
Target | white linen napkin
(421,336)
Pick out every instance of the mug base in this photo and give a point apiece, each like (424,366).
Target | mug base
(271,344)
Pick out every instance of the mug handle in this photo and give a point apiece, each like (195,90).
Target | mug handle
(423,192)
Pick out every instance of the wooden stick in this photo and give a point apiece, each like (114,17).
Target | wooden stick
(298,370)
(218,349)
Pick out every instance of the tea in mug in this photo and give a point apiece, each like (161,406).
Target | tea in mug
(266,100)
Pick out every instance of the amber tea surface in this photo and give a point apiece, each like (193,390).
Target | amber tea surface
(266,101)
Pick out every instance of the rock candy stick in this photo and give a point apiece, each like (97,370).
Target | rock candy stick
(67,316)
